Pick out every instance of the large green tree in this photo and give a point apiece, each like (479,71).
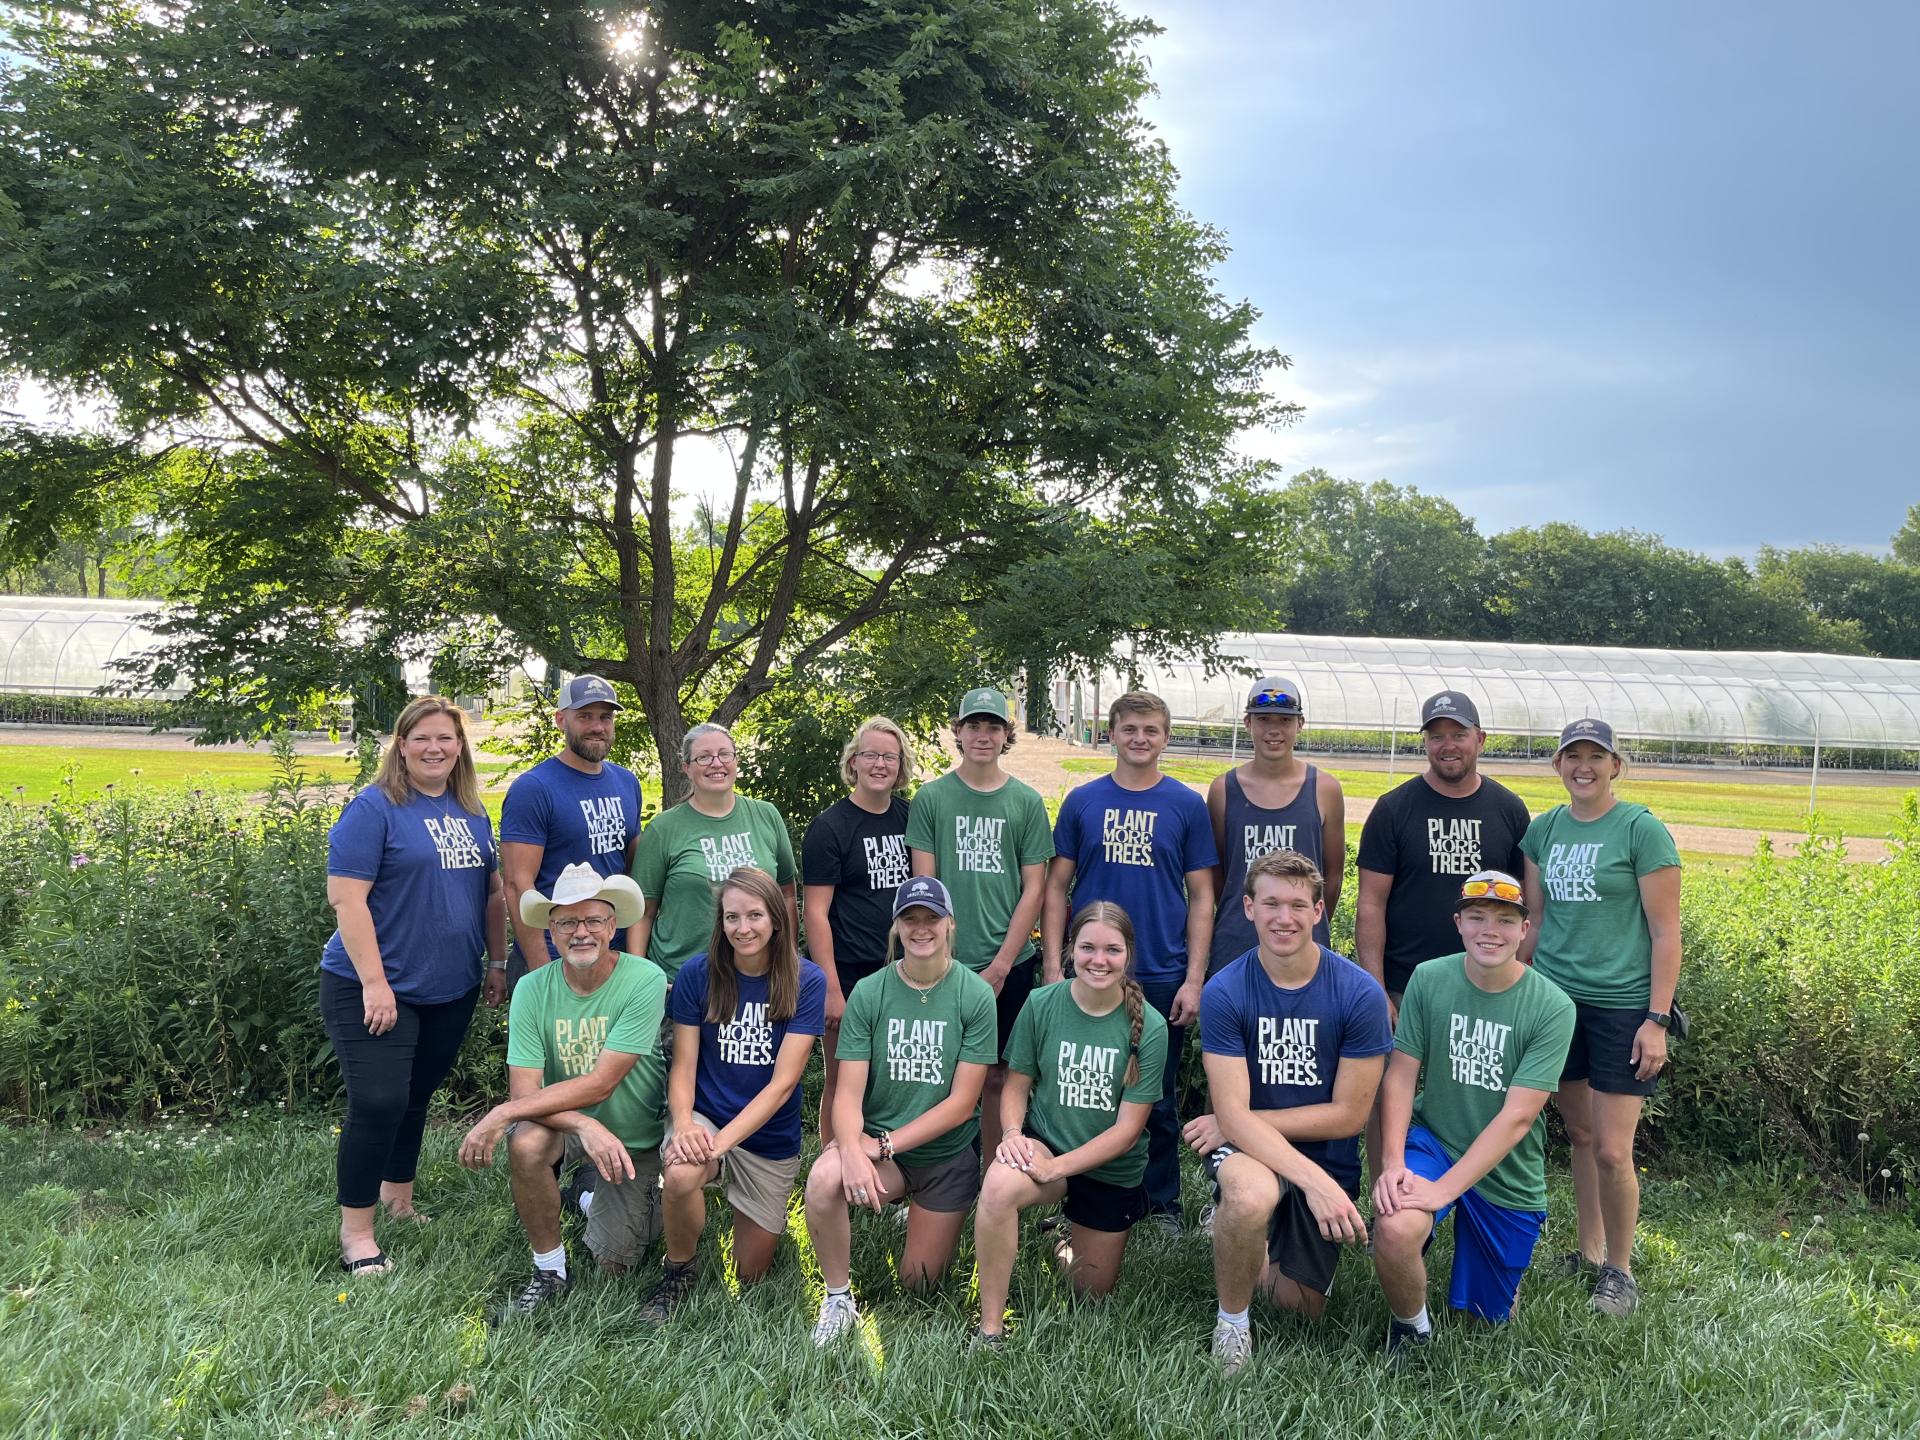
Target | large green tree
(683,342)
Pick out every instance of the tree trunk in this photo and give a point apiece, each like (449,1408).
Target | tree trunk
(668,725)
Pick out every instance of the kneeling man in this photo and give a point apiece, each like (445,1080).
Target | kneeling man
(1294,1038)
(1482,1040)
(585,1079)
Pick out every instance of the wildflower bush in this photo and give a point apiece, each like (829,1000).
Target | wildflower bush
(160,951)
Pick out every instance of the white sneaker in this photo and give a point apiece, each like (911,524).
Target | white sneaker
(1232,1346)
(1205,1225)
(838,1316)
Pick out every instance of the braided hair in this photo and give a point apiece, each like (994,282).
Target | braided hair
(1105,912)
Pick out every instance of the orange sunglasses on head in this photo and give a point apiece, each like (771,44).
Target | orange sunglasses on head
(1496,889)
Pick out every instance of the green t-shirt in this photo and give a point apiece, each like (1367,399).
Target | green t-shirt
(684,855)
(1492,1043)
(978,842)
(912,1040)
(561,1034)
(1593,933)
(1079,1065)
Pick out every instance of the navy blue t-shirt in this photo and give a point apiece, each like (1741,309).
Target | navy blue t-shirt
(429,861)
(579,819)
(737,1055)
(1293,1040)
(1135,848)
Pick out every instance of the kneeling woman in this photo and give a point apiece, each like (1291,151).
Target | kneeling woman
(915,1043)
(1084,1067)
(745,1016)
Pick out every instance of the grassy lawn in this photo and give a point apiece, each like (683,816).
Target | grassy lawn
(178,1282)
(1868,810)
(35,773)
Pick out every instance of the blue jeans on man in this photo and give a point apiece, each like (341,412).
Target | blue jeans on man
(1163,1125)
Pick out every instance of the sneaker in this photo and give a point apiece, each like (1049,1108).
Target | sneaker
(578,1194)
(1232,1346)
(838,1317)
(1163,1225)
(1404,1343)
(1573,1266)
(545,1285)
(1205,1225)
(1058,1229)
(676,1283)
(980,1340)
(1615,1293)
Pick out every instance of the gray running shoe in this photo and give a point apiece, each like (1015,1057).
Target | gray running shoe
(676,1284)
(545,1286)
(1615,1293)
(838,1317)
(1232,1346)
(1573,1266)
(1205,1225)
(980,1340)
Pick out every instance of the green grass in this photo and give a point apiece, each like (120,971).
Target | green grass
(36,773)
(179,1282)
(1863,810)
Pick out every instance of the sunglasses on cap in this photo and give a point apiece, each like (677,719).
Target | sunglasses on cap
(1272,698)
(1493,890)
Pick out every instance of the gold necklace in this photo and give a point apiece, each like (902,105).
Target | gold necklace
(925,995)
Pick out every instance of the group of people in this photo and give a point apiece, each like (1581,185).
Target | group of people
(1003,1006)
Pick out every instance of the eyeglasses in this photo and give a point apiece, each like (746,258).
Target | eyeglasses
(707,762)
(875,757)
(1496,889)
(1272,699)
(595,923)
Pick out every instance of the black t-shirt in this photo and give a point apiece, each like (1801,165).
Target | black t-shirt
(1429,843)
(864,857)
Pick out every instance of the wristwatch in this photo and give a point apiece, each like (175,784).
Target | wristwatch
(1661,1018)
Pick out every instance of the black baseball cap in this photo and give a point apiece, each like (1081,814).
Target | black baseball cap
(1450,705)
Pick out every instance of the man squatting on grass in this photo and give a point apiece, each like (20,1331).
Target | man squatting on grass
(1294,1039)
(1481,1041)
(585,1080)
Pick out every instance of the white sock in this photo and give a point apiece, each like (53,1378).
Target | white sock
(840,1292)
(586,1202)
(1236,1318)
(1420,1323)
(554,1260)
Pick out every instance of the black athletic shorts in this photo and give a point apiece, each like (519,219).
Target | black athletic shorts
(1295,1246)
(1013,995)
(1602,1050)
(1096,1204)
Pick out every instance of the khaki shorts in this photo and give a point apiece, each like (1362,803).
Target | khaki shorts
(625,1218)
(755,1186)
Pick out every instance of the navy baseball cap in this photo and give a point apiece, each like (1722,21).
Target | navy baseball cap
(1598,731)
(1450,705)
(924,891)
(586,690)
(1272,695)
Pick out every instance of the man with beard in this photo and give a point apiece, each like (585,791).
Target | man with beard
(576,808)
(585,1082)
(1425,837)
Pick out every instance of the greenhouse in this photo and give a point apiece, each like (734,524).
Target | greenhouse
(57,645)
(1752,706)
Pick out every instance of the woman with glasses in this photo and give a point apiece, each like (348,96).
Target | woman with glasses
(853,858)
(690,848)
(1604,877)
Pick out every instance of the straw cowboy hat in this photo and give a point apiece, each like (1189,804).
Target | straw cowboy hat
(583,882)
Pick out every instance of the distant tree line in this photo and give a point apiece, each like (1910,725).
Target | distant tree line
(1387,560)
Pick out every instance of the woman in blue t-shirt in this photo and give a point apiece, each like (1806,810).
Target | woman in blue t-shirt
(745,1016)
(414,882)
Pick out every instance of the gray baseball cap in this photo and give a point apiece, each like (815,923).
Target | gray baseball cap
(1450,705)
(1598,731)
(586,690)
(924,891)
(1271,695)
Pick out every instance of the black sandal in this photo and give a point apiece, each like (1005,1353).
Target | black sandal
(378,1263)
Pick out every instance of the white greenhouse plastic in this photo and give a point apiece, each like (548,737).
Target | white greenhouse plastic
(64,646)
(1725,697)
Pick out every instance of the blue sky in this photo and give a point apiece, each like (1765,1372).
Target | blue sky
(1645,265)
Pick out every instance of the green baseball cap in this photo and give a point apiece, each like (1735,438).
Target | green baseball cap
(984,701)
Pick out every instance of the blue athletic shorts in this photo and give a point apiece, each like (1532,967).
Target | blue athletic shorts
(1492,1245)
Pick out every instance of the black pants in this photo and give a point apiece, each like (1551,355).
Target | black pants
(390,1081)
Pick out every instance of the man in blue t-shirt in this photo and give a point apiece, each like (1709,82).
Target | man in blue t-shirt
(575,808)
(1295,1039)
(1143,841)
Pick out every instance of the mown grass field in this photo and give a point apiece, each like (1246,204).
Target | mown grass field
(37,773)
(1862,810)
(179,1282)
